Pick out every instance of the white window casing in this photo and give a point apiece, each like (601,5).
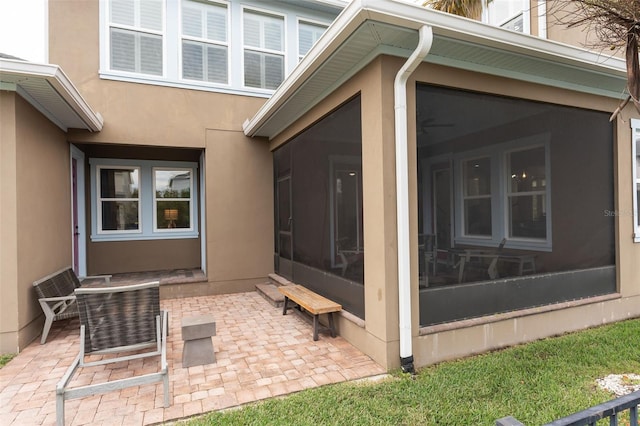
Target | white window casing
(308,33)
(198,44)
(511,14)
(118,209)
(173,194)
(205,42)
(154,210)
(264,54)
(136,36)
(501,195)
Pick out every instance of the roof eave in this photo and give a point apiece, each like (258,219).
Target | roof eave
(61,85)
(410,16)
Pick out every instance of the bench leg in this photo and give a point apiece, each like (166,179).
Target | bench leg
(284,306)
(332,328)
(315,327)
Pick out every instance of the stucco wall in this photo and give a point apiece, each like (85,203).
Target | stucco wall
(9,229)
(238,229)
(435,344)
(379,333)
(378,336)
(36,235)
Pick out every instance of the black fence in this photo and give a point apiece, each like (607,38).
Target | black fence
(609,410)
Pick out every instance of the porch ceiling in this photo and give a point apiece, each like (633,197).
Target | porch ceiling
(50,91)
(369,28)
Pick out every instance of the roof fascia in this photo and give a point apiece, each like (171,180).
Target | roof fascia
(412,16)
(60,83)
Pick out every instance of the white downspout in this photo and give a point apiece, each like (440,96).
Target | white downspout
(402,193)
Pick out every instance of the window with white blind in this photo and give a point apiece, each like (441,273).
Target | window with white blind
(308,34)
(226,46)
(205,48)
(264,52)
(136,32)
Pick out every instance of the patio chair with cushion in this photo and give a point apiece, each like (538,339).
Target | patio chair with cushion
(55,294)
(125,321)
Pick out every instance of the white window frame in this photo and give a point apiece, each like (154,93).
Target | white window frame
(525,12)
(147,229)
(136,28)
(508,194)
(311,22)
(635,182)
(172,45)
(189,200)
(465,197)
(226,43)
(341,162)
(283,53)
(499,198)
(100,199)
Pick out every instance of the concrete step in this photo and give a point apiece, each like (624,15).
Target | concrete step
(278,280)
(271,294)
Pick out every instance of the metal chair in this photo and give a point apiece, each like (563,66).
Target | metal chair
(126,321)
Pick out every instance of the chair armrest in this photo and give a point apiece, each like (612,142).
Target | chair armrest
(57,299)
(56,305)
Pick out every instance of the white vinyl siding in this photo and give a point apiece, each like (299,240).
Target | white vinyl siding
(264,53)
(205,50)
(136,36)
(308,34)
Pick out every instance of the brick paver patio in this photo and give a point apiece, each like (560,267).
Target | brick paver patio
(259,354)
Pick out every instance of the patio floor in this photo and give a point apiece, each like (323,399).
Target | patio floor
(259,354)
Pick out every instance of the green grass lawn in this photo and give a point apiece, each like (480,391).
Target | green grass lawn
(4,359)
(536,383)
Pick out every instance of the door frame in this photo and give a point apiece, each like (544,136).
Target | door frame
(78,209)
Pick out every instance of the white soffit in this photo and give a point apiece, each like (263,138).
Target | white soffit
(51,92)
(368,28)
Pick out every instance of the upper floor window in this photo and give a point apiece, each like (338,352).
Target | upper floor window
(635,158)
(215,45)
(510,14)
(264,53)
(136,36)
(308,34)
(205,49)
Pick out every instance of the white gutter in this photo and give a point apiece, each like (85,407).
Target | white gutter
(61,87)
(402,194)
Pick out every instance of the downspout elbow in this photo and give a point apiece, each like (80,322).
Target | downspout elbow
(402,193)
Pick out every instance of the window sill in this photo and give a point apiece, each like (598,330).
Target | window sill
(183,84)
(142,237)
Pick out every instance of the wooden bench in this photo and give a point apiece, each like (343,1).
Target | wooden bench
(312,303)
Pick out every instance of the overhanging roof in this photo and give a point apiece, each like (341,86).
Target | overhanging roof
(50,91)
(368,28)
